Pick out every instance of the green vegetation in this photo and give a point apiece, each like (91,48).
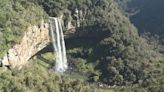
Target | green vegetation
(15,17)
(146,15)
(37,76)
(107,49)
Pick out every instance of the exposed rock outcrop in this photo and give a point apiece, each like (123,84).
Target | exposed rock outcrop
(35,39)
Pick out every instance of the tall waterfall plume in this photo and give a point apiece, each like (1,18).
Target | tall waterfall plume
(58,44)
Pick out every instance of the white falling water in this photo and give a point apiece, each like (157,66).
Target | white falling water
(58,44)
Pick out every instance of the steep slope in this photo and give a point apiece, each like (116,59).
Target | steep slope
(107,49)
(149,17)
(15,17)
(124,55)
(34,39)
(120,55)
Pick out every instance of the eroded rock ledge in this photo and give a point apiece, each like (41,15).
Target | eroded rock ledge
(35,39)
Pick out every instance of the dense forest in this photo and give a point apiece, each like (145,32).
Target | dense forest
(107,50)
(145,15)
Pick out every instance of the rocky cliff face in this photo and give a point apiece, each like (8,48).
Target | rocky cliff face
(35,39)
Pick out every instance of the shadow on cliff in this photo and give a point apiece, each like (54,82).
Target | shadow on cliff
(86,40)
(86,43)
(47,49)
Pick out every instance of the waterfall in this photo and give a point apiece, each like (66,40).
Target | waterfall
(58,44)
